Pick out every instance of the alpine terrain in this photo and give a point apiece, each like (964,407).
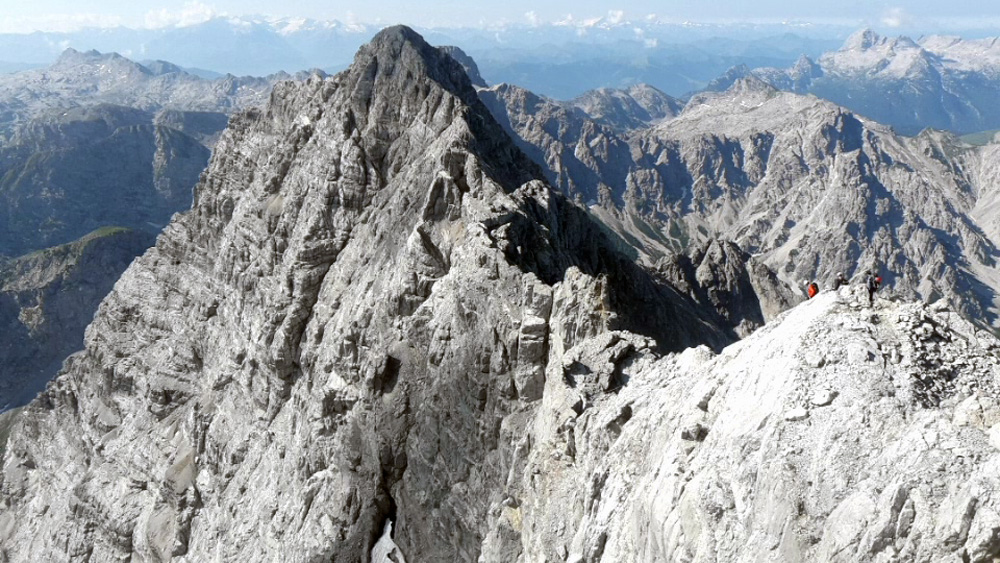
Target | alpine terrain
(806,187)
(371,280)
(95,143)
(381,334)
(941,82)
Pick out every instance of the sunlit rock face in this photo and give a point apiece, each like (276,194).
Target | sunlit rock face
(355,323)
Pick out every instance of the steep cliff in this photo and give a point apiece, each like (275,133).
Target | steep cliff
(352,325)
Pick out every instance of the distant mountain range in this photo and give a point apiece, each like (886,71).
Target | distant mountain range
(936,81)
(805,186)
(561,60)
(78,79)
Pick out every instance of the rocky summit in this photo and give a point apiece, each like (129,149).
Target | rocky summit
(838,432)
(352,325)
(380,335)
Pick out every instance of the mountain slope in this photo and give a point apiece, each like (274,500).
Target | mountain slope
(806,187)
(47,299)
(836,433)
(351,325)
(70,172)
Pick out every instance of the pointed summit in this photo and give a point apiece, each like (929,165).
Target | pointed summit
(724,82)
(805,66)
(398,53)
(372,277)
(862,40)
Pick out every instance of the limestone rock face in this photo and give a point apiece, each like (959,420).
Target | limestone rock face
(742,292)
(880,451)
(47,299)
(355,323)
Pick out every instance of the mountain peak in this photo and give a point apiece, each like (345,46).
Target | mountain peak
(862,40)
(398,54)
(751,84)
(71,58)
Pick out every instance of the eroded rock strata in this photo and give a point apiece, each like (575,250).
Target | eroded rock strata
(351,325)
(377,320)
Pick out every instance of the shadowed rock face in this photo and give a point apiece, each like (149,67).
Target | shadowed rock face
(467,63)
(355,322)
(70,172)
(47,299)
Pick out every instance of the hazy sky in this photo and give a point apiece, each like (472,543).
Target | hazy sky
(64,15)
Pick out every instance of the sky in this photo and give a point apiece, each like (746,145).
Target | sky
(24,16)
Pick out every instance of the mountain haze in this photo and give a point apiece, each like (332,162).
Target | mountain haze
(940,82)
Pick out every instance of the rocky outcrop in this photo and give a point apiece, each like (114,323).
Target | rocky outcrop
(742,292)
(47,299)
(467,62)
(836,433)
(355,323)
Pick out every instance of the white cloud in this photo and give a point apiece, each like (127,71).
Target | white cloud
(192,13)
(895,17)
(616,16)
(61,23)
(532,18)
(567,20)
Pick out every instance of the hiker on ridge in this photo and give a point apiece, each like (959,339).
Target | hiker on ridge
(839,281)
(872,283)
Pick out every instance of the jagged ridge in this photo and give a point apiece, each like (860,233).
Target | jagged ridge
(351,325)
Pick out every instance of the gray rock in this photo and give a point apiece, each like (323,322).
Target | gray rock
(353,324)
(336,336)
(47,299)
